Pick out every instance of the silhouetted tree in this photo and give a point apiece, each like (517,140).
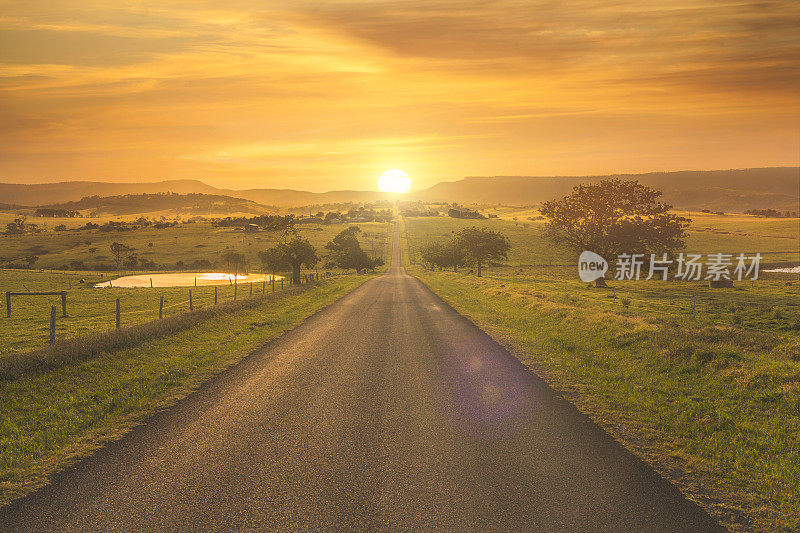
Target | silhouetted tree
(345,252)
(480,245)
(449,254)
(17,227)
(120,251)
(614,217)
(298,253)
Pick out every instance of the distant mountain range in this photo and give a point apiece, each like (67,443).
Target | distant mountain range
(717,190)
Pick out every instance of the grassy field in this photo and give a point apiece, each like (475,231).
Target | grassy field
(185,242)
(90,309)
(712,399)
(51,418)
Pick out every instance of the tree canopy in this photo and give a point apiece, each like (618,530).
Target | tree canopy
(273,260)
(345,252)
(614,217)
(444,255)
(298,253)
(480,245)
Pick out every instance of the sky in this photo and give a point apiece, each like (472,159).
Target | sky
(328,95)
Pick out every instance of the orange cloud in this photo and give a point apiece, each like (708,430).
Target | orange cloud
(328,95)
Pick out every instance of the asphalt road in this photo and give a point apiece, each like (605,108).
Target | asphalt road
(389,411)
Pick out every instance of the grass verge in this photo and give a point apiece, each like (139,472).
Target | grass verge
(52,418)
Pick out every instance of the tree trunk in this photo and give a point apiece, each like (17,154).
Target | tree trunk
(600,283)
(296,275)
(480,264)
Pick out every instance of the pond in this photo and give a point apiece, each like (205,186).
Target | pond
(185,279)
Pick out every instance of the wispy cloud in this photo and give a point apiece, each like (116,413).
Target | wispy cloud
(312,94)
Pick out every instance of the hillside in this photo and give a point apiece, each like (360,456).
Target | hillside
(127,204)
(719,190)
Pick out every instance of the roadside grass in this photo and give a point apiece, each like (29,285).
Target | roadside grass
(712,401)
(52,418)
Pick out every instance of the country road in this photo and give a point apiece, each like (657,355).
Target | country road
(386,411)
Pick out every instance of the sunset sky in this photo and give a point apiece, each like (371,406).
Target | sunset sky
(328,95)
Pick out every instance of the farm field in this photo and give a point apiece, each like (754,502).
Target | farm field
(92,310)
(704,383)
(187,243)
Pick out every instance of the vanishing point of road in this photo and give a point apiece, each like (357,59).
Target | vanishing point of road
(385,411)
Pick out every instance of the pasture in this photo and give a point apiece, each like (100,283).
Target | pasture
(92,310)
(187,243)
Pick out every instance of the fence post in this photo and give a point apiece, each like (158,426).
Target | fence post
(8,304)
(191,303)
(215,295)
(264,285)
(235,289)
(273,282)
(161,308)
(64,304)
(195,281)
(118,321)
(281,283)
(52,325)
(693,305)
(151,283)
(251,289)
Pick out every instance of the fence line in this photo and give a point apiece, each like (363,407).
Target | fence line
(118,313)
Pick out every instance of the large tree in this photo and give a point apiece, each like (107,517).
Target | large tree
(345,252)
(120,252)
(614,217)
(298,253)
(448,254)
(480,245)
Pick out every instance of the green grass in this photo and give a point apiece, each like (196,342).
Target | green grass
(91,310)
(51,418)
(775,239)
(185,242)
(717,394)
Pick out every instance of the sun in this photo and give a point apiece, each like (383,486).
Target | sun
(395,181)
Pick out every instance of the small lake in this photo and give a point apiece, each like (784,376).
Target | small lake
(185,279)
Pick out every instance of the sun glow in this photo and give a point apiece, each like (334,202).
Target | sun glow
(395,181)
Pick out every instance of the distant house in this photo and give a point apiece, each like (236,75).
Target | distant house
(251,228)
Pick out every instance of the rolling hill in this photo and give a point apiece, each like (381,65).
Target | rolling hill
(192,203)
(718,190)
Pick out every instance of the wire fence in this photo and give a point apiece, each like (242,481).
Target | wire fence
(30,324)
